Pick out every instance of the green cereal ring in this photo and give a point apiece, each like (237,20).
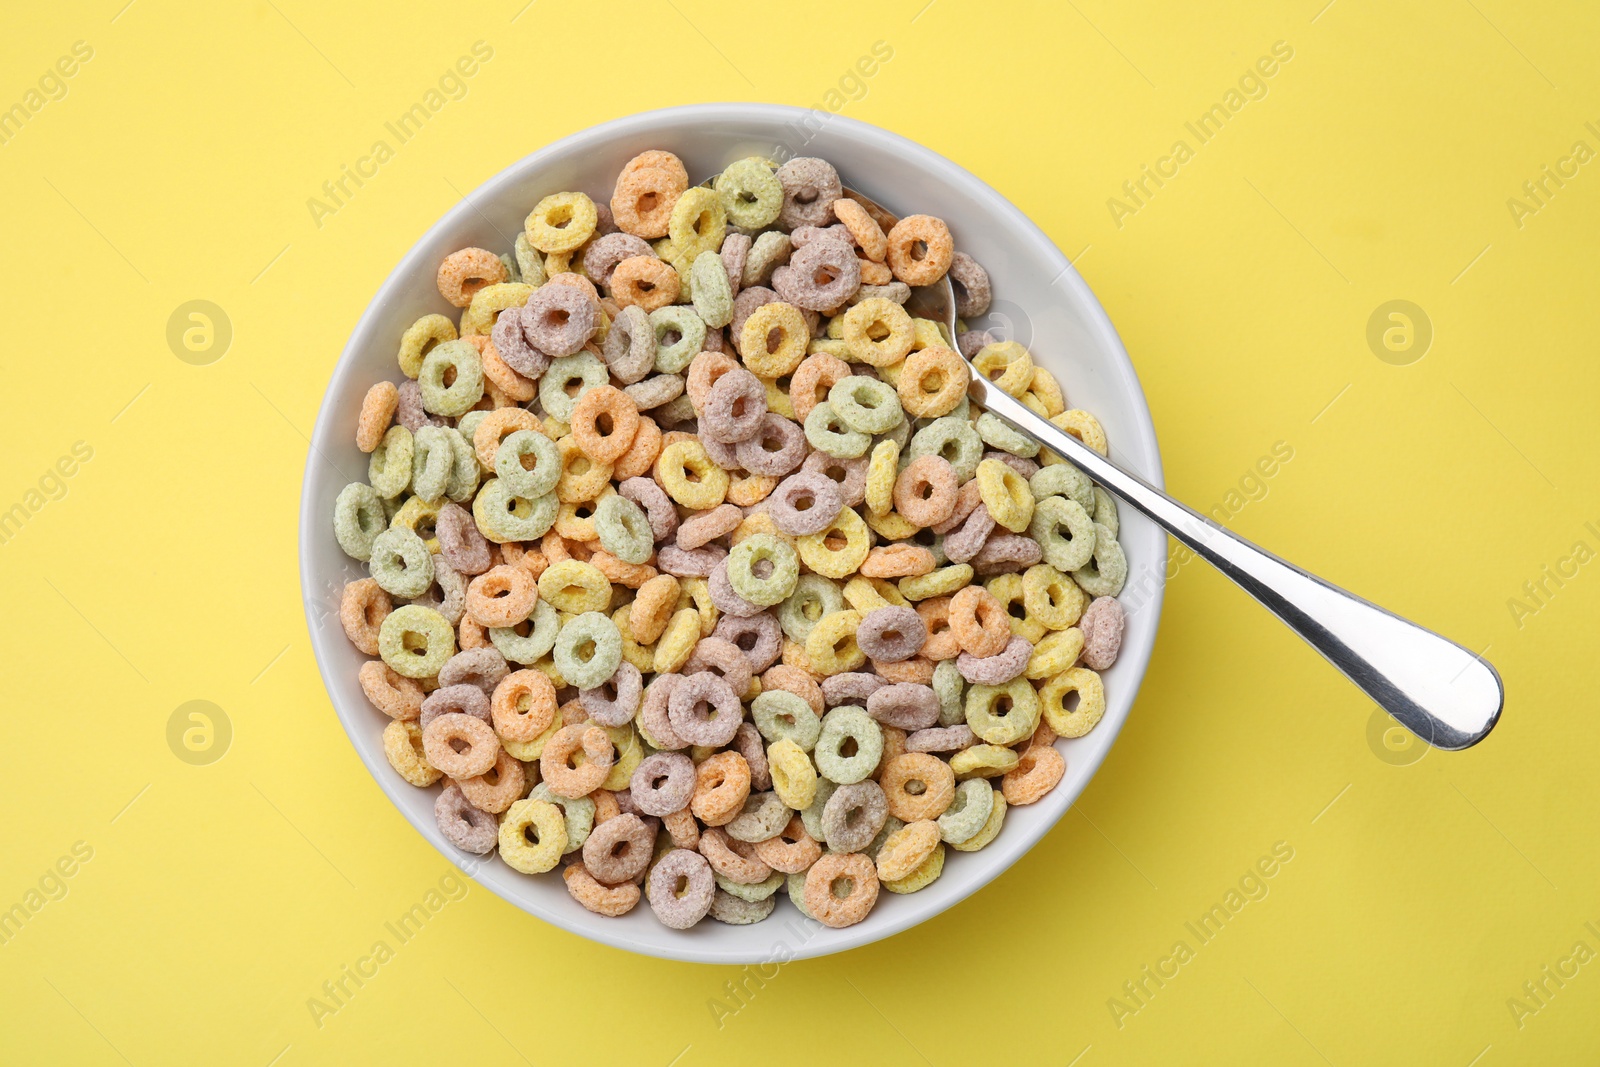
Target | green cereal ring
(951,437)
(468,423)
(584,368)
(713,295)
(735,911)
(1051,516)
(464,472)
(1063,479)
(679,334)
(588,650)
(795,886)
(542,629)
(843,724)
(1105,511)
(401,563)
(827,433)
(751,194)
(389,468)
(464,389)
(814,596)
(504,516)
(358,519)
(779,714)
(998,434)
(951,687)
(754,894)
(529,264)
(866,405)
(968,812)
(513,271)
(1105,575)
(419,337)
(624,529)
(415,641)
(991,829)
(745,559)
(511,463)
(812,817)
(578,812)
(1003,714)
(433,461)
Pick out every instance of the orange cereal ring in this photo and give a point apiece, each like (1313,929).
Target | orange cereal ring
(604,421)
(463,273)
(682,828)
(792,851)
(751,489)
(704,371)
(979,621)
(642,451)
(652,608)
(734,860)
(932,382)
(942,643)
(905,849)
(874,273)
(479,747)
(811,381)
(605,805)
(523,705)
(926,492)
(499,787)
(392,693)
(792,679)
(644,197)
(576,760)
(620,572)
(918,669)
(502,596)
(470,634)
(496,427)
(377,412)
(918,786)
(864,230)
(362,609)
(644,282)
(841,888)
(498,374)
(1036,773)
(898,561)
(660,159)
(721,786)
(920,249)
(608,900)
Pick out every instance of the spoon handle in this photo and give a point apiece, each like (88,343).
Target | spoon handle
(1438,690)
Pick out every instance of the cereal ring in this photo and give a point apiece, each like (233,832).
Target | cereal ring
(377,411)
(567,380)
(1002,436)
(396,696)
(1038,771)
(819,277)
(853,815)
(1005,494)
(623,529)
(979,621)
(1102,633)
(758,638)
(576,760)
(805,503)
(865,405)
(645,282)
(461,544)
(747,742)
(991,827)
(645,196)
(415,641)
(998,669)
(864,229)
(903,851)
(733,407)
(464,825)
(773,339)
(533,836)
(968,812)
(841,889)
(677,642)
(602,254)
(1057,652)
(463,273)
(891,634)
(484,668)
(1084,426)
(454,699)
(769,251)
(791,851)
(877,332)
(810,187)
(722,782)
(619,849)
(523,705)
(941,739)
(831,646)
(575,587)
(971,284)
(762,818)
(1004,713)
(690,477)
(402,747)
(781,715)
(358,519)
(751,194)
(813,381)
(479,744)
(502,596)
(611,901)
(588,650)
(954,440)
(1005,552)
(534,644)
(1091,702)
(712,292)
(421,336)
(681,888)
(1007,364)
(704,709)
(983,761)
(1101,578)
(794,778)
(617,709)
(920,249)
(850,745)
(925,493)
(1051,597)
(389,468)
(495,790)
(561,222)
(918,786)
(905,705)
(663,783)
(650,496)
(709,526)
(604,421)
(744,569)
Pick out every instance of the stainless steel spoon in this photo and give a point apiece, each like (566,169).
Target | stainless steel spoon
(1437,689)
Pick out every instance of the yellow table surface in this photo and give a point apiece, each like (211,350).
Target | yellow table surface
(1422,908)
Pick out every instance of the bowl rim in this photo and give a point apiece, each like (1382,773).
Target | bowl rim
(944,170)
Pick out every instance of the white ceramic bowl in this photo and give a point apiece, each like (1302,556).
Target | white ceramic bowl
(1038,296)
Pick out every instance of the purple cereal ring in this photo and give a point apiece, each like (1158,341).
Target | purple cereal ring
(853,687)
(1101,624)
(853,815)
(602,255)
(941,739)
(655,390)
(810,186)
(905,705)
(735,250)
(483,667)
(460,542)
(892,634)
(721,657)
(962,544)
(733,407)
(805,503)
(1005,551)
(559,319)
(759,637)
(723,455)
(466,699)
(747,740)
(619,849)
(630,346)
(658,507)
(625,804)
(662,783)
(722,594)
(714,341)
(1027,468)
(804,235)
(819,277)
(464,826)
(408,411)
(653,718)
(704,710)
(971,283)
(850,475)
(709,525)
(999,668)
(701,563)
(511,341)
(618,709)
(777,447)
(970,342)
(680,888)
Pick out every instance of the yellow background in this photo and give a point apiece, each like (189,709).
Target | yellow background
(1422,893)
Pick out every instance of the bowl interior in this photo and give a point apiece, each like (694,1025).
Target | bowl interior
(1040,300)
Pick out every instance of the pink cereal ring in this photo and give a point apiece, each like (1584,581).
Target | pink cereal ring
(905,705)
(892,634)
(468,828)
(1102,624)
(619,849)
(998,669)
(732,409)
(663,783)
(681,888)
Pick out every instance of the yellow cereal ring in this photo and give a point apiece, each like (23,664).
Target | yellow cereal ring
(927,334)
(489,302)
(419,337)
(402,746)
(1007,364)
(877,331)
(924,875)
(689,476)
(983,761)
(641,656)
(794,779)
(839,550)
(1091,702)
(696,593)
(831,646)
(778,397)
(1057,652)
(1006,494)
(419,517)
(942,582)
(629,754)
(828,346)
(773,340)
(1051,597)
(1008,589)
(677,641)
(882,470)
(991,828)
(892,526)
(698,223)
(582,476)
(561,223)
(1084,426)
(575,587)
(540,850)
(865,595)
(1044,395)
(1003,714)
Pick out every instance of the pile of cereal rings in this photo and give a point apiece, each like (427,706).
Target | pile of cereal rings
(692,572)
